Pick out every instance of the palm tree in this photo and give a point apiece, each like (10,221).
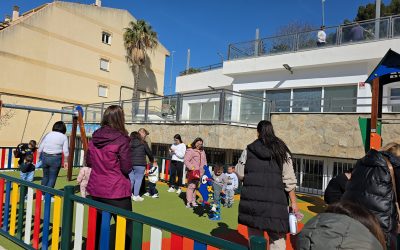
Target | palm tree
(139,38)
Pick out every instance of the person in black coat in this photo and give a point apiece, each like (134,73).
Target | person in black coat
(336,187)
(371,186)
(264,201)
(139,149)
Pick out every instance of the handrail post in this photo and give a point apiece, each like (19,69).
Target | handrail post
(146,110)
(221,106)
(68,206)
(258,243)
(178,107)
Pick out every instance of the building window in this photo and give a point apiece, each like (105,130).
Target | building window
(104,64)
(106,38)
(340,99)
(307,100)
(395,99)
(251,107)
(280,100)
(206,111)
(103,91)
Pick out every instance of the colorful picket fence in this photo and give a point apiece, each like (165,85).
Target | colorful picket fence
(7,159)
(34,216)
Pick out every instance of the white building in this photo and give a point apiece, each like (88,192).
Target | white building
(298,76)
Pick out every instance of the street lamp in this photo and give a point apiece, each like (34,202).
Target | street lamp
(172,67)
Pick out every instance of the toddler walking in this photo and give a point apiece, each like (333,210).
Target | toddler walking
(83,179)
(231,186)
(153,179)
(219,182)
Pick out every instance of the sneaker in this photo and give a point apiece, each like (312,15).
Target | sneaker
(171,190)
(194,204)
(215,218)
(188,205)
(214,209)
(155,196)
(147,194)
(137,198)
(179,191)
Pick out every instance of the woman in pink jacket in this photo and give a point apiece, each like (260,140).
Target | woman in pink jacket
(195,159)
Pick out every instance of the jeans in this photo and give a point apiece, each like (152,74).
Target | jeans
(152,188)
(136,177)
(176,170)
(124,203)
(229,196)
(27,176)
(51,167)
(217,193)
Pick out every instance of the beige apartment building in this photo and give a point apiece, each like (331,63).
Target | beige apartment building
(70,53)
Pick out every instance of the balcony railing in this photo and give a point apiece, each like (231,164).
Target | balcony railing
(201,69)
(216,107)
(366,31)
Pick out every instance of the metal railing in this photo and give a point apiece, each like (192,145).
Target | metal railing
(216,107)
(334,105)
(361,32)
(23,204)
(201,69)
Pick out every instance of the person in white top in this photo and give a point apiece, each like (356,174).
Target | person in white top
(177,151)
(321,37)
(52,147)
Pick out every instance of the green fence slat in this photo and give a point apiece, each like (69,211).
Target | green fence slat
(21,210)
(258,243)
(68,208)
(137,235)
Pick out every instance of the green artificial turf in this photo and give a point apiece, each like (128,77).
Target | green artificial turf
(170,207)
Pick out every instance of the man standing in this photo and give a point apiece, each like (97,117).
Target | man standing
(321,37)
(144,134)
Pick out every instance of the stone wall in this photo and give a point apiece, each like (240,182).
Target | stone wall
(329,135)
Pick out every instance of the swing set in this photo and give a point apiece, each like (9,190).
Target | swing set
(77,119)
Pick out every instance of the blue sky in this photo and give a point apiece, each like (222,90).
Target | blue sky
(209,26)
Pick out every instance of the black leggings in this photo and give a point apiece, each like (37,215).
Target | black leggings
(124,203)
(176,169)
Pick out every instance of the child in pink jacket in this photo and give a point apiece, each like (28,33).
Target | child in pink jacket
(195,159)
(83,179)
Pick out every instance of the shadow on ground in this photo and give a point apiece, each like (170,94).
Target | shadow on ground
(318,204)
(224,232)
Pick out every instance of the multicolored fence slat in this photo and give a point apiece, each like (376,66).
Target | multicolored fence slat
(176,242)
(28,216)
(56,223)
(7,206)
(199,246)
(105,231)
(120,233)
(14,201)
(36,222)
(3,158)
(79,211)
(46,221)
(155,238)
(91,233)
(9,157)
(1,200)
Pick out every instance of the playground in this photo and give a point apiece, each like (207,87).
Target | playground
(170,208)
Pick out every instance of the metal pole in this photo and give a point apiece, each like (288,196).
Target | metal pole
(323,12)
(31,108)
(377,17)
(188,61)
(172,67)
(256,51)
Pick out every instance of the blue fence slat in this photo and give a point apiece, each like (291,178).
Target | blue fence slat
(199,246)
(105,231)
(9,158)
(7,206)
(46,221)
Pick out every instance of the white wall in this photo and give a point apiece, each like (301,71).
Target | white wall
(201,81)
(345,54)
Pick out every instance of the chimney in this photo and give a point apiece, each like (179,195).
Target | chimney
(15,14)
(98,3)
